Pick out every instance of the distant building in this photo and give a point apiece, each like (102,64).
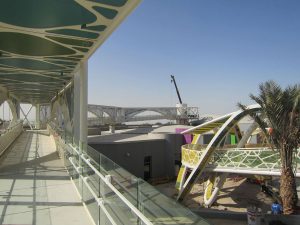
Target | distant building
(148,153)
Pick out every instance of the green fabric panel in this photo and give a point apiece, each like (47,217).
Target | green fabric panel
(232,139)
(117,3)
(70,41)
(62,58)
(25,44)
(62,62)
(35,86)
(107,13)
(3,71)
(49,38)
(67,13)
(96,28)
(29,64)
(76,33)
(28,78)
(81,49)
(9,82)
(77,56)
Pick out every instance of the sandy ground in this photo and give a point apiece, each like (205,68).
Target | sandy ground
(236,195)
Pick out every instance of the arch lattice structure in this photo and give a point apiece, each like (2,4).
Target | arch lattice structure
(200,158)
(216,157)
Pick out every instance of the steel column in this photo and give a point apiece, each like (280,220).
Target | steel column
(83,105)
(37,116)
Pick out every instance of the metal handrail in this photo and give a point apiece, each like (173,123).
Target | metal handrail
(99,200)
(9,128)
(138,213)
(8,137)
(78,162)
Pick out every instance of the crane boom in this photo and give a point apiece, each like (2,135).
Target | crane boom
(178,94)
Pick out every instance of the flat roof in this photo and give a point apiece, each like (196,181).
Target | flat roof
(134,135)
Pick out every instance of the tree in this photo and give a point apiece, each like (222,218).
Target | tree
(280,111)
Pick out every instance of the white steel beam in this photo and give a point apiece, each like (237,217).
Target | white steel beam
(83,105)
(25,116)
(37,116)
(76,116)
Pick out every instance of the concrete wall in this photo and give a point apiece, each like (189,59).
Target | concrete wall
(163,147)
(130,156)
(173,144)
(94,131)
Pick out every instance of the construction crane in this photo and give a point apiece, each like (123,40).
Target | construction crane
(194,118)
(178,94)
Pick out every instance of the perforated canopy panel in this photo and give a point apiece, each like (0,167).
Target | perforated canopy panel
(208,126)
(43,41)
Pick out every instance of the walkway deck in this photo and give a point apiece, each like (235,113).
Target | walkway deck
(35,187)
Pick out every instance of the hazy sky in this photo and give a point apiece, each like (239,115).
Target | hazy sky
(218,50)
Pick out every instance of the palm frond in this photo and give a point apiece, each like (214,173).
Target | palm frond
(280,108)
(259,119)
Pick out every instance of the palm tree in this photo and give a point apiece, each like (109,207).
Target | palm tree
(280,111)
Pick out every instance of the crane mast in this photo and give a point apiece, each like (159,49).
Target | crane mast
(178,94)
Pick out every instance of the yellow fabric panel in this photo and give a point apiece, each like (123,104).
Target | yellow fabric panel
(180,177)
(209,186)
(208,127)
(195,137)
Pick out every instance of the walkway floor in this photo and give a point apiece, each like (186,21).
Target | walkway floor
(35,187)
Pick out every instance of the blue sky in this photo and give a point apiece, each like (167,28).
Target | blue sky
(218,50)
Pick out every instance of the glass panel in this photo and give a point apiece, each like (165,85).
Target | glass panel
(160,209)
(117,209)
(105,206)
(75,175)
(103,218)
(128,188)
(90,190)
(67,154)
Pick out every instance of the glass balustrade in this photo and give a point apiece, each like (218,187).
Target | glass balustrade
(115,196)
